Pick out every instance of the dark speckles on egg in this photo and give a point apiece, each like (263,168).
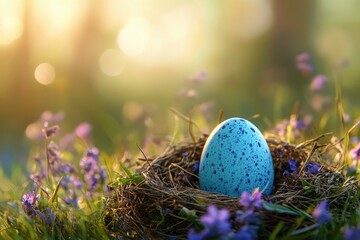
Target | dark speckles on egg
(237,158)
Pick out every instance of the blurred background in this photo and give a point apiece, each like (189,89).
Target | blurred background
(121,64)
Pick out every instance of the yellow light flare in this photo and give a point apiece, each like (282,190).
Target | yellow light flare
(45,73)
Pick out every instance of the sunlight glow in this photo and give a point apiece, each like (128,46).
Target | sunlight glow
(45,73)
(134,37)
(111,62)
(11,26)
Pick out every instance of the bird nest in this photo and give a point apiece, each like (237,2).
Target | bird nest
(163,198)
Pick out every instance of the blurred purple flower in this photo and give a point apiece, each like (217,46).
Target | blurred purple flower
(248,218)
(185,156)
(303,63)
(216,224)
(90,160)
(318,82)
(67,141)
(48,217)
(296,126)
(292,165)
(50,131)
(355,152)
(313,168)
(30,201)
(199,78)
(352,233)
(71,198)
(321,213)
(83,130)
(246,233)
(52,118)
(94,174)
(196,167)
(303,57)
(250,202)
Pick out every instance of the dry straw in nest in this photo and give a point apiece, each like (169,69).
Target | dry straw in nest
(163,198)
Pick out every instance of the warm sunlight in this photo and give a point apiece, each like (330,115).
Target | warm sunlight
(11,26)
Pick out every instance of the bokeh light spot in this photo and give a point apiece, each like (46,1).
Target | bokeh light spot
(111,62)
(33,131)
(45,73)
(134,37)
(133,111)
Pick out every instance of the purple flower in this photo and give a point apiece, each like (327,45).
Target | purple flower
(246,233)
(355,152)
(352,233)
(83,130)
(53,154)
(250,202)
(321,213)
(30,201)
(312,168)
(48,217)
(199,78)
(303,63)
(303,57)
(248,218)
(94,174)
(52,118)
(90,160)
(50,131)
(318,83)
(196,167)
(292,165)
(216,224)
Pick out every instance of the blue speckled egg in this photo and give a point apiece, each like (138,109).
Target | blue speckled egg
(236,158)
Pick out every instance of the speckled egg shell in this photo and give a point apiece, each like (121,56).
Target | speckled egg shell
(236,158)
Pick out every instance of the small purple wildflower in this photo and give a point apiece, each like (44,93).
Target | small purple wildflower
(303,63)
(321,213)
(250,202)
(196,167)
(313,168)
(303,57)
(293,165)
(248,218)
(198,78)
(94,174)
(246,233)
(30,201)
(50,131)
(48,217)
(52,118)
(286,173)
(90,160)
(318,83)
(216,224)
(355,152)
(185,156)
(352,233)
(83,130)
